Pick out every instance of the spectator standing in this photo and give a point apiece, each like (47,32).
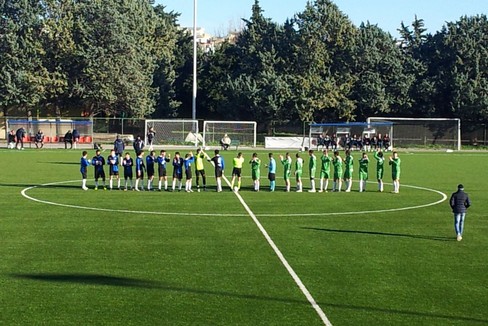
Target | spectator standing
(76,137)
(138,145)
(119,147)
(20,134)
(68,139)
(459,203)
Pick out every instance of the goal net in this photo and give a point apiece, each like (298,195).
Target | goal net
(173,132)
(351,135)
(424,132)
(240,132)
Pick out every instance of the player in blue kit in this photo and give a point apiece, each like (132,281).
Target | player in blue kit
(150,161)
(113,164)
(127,163)
(219,165)
(162,160)
(189,159)
(98,161)
(178,164)
(140,167)
(271,172)
(84,163)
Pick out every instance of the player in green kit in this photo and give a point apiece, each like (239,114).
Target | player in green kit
(363,172)
(395,172)
(380,160)
(312,168)
(299,172)
(348,170)
(337,163)
(324,171)
(237,171)
(286,161)
(255,170)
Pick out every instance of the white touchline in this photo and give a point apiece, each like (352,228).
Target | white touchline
(283,260)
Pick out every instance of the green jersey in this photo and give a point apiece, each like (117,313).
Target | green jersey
(380,161)
(395,168)
(337,162)
(312,164)
(299,165)
(325,163)
(255,168)
(363,165)
(286,168)
(348,162)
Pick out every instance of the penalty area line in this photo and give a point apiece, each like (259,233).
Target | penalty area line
(282,258)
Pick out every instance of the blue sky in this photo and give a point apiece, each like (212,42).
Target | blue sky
(216,16)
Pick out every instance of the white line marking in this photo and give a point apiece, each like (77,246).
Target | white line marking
(24,193)
(444,198)
(283,260)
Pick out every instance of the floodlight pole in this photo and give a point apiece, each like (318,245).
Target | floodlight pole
(194,96)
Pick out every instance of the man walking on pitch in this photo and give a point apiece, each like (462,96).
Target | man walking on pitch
(395,172)
(312,167)
(324,171)
(459,203)
(219,165)
(237,171)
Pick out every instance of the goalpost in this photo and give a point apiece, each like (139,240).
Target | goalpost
(173,132)
(240,132)
(414,132)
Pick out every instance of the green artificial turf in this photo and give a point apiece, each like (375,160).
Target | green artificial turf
(173,258)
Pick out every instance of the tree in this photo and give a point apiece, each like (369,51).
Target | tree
(22,75)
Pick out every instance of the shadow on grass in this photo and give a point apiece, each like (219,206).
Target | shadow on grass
(412,236)
(105,280)
(20,185)
(62,163)
(405,313)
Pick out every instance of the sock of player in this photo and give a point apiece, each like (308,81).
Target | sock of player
(159,184)
(137,183)
(110,183)
(204,178)
(125,183)
(238,184)
(334,186)
(326,184)
(339,185)
(219,184)
(148,184)
(118,183)
(232,184)
(174,184)
(165,184)
(180,184)
(96,184)
(349,185)
(360,185)
(321,184)
(189,185)
(272,185)
(83,183)
(257,185)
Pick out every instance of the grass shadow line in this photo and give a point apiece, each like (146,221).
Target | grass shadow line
(386,234)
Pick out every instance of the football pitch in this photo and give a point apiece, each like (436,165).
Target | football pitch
(74,257)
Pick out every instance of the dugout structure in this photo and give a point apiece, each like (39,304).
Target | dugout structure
(424,132)
(173,132)
(53,129)
(241,133)
(343,129)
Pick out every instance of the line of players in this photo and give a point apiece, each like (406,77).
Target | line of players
(343,169)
